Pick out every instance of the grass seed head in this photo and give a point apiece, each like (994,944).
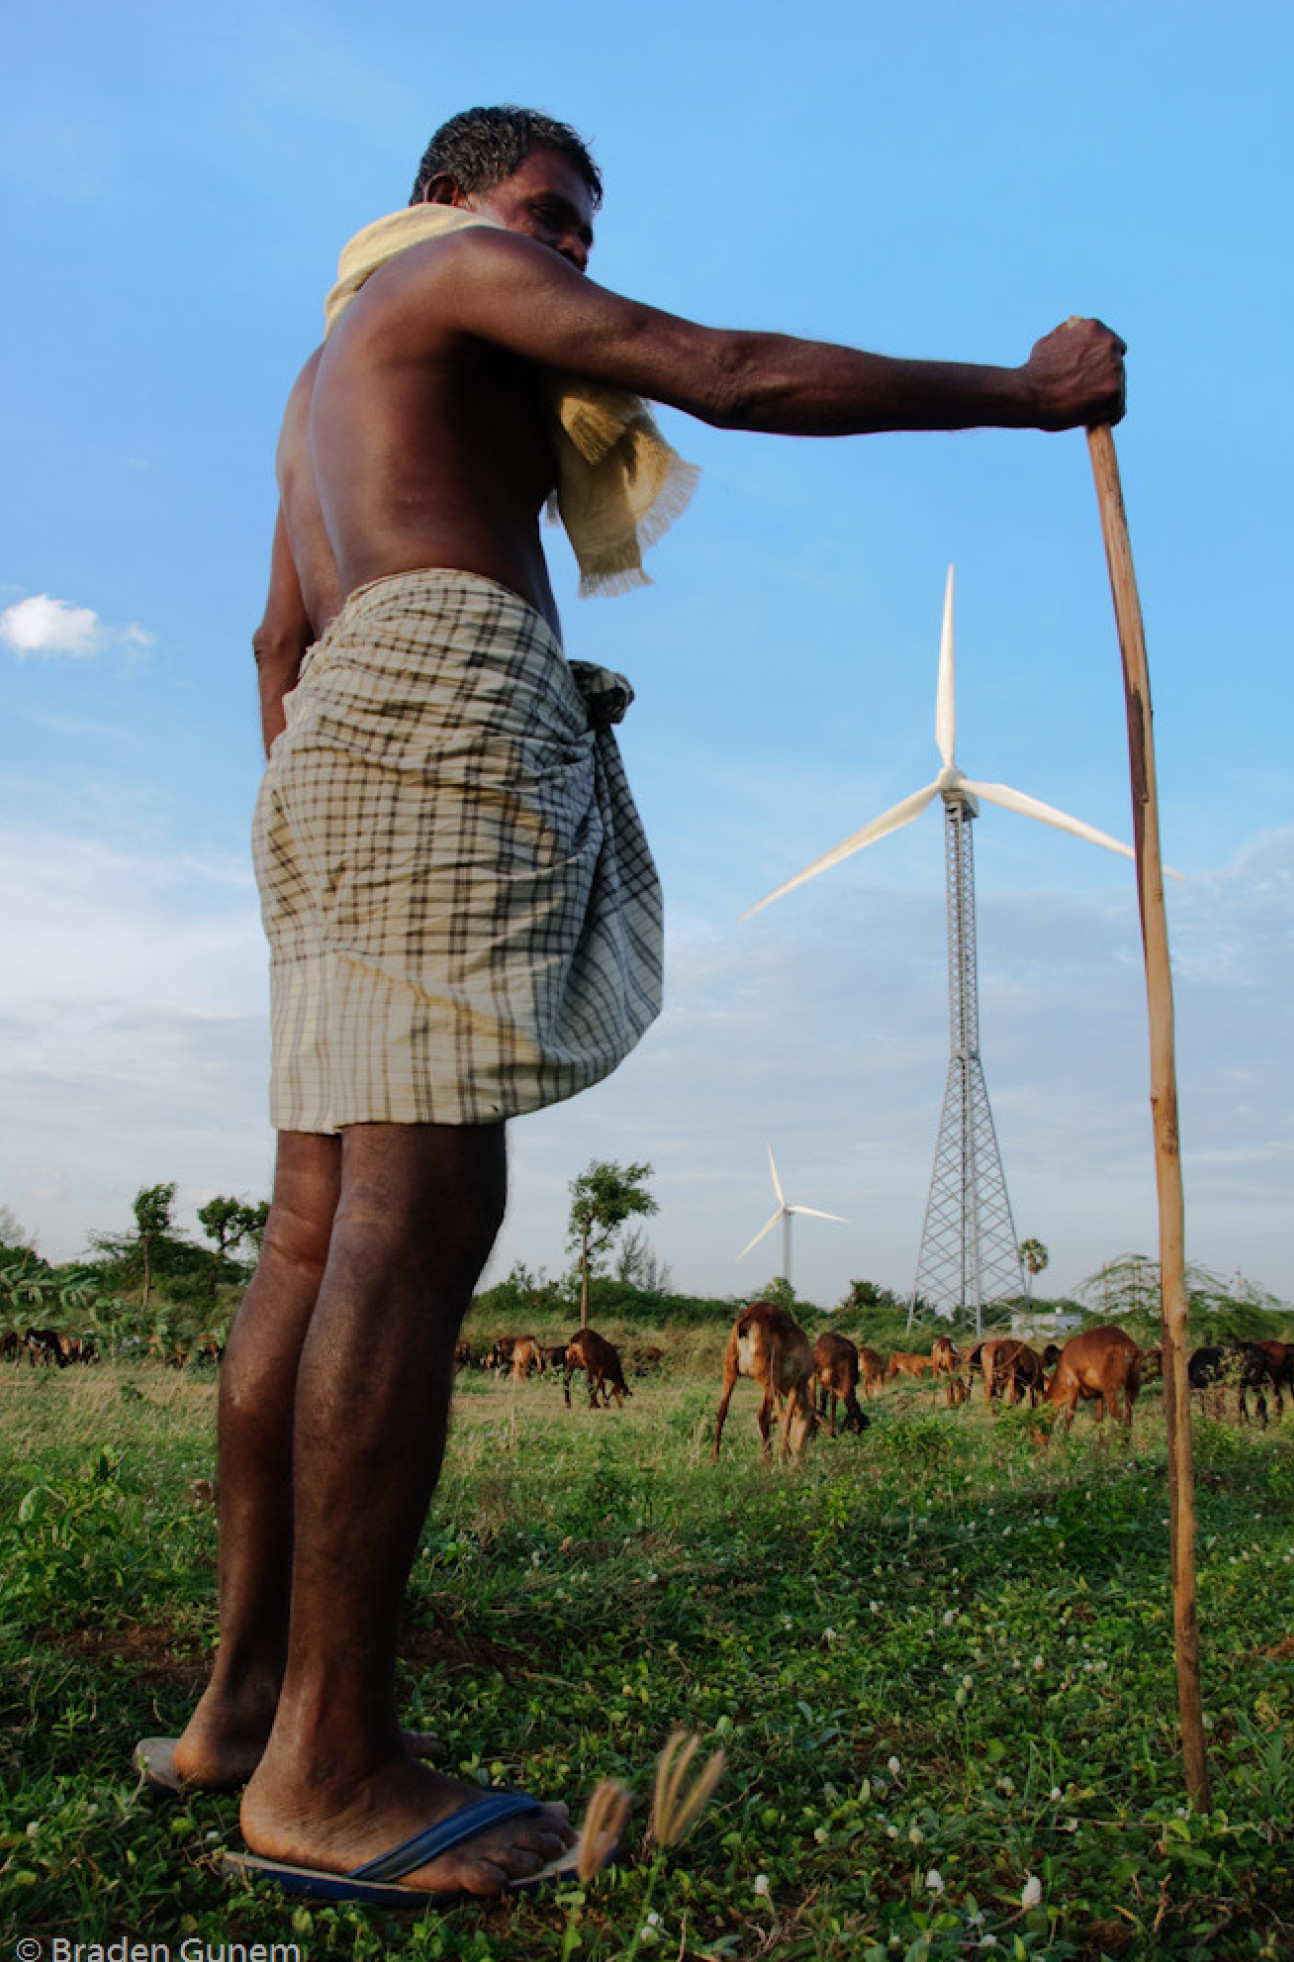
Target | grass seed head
(604,1822)
(674,1812)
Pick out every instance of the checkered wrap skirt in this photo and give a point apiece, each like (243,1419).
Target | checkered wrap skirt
(463,915)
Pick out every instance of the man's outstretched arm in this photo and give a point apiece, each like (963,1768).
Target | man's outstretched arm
(281,640)
(523,296)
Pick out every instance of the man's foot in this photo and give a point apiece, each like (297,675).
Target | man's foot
(224,1740)
(223,1743)
(318,1825)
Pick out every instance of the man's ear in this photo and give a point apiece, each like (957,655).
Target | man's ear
(444,188)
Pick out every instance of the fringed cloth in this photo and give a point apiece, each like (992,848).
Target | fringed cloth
(463,915)
(620,485)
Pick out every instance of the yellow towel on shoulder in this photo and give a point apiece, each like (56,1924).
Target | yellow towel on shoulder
(620,485)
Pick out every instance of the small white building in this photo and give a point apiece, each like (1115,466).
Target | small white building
(1045,1326)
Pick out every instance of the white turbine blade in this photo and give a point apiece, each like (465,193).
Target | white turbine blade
(946,700)
(880,827)
(759,1236)
(1017,800)
(777,1183)
(813,1213)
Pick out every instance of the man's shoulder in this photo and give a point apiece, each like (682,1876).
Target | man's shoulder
(460,283)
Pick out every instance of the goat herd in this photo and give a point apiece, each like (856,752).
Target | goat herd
(806,1385)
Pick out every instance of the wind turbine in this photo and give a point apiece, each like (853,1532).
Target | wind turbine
(784,1213)
(968,1245)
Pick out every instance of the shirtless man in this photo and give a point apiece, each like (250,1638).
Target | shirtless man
(415,439)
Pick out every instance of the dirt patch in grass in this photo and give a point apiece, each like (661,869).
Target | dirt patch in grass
(1108,1937)
(447,1649)
(156,1656)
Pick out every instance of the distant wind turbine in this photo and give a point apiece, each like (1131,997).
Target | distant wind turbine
(784,1213)
(968,1245)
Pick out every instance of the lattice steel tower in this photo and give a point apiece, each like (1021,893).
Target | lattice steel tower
(968,1248)
(968,1251)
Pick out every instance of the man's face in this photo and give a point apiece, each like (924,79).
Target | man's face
(546,199)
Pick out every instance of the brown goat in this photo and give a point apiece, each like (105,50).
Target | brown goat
(766,1345)
(871,1370)
(526,1355)
(945,1355)
(1011,1366)
(835,1379)
(600,1361)
(902,1364)
(1102,1363)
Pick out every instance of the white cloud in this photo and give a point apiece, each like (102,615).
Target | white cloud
(45,626)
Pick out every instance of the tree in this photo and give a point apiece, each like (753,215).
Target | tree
(1126,1286)
(638,1264)
(153,1250)
(603,1197)
(866,1294)
(1035,1258)
(229,1222)
(13,1235)
(152,1209)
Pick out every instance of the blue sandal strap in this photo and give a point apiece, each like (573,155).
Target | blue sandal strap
(432,1841)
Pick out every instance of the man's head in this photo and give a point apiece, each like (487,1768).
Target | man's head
(526,172)
(480,147)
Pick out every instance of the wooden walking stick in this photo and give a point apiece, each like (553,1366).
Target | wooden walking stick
(1163,1103)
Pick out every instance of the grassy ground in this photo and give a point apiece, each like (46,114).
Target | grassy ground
(938,1660)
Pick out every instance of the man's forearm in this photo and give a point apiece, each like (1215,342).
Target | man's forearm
(811,388)
(278,663)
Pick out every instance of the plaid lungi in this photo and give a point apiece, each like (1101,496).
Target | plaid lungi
(463,915)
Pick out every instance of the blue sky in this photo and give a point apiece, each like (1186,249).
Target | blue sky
(935,180)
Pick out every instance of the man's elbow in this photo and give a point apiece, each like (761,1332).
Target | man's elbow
(273,649)
(729,385)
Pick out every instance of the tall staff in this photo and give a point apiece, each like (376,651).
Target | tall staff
(1163,1102)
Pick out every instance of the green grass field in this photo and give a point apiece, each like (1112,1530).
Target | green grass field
(938,1659)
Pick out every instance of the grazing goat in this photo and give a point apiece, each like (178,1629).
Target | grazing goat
(43,1345)
(905,1365)
(1250,1367)
(1206,1372)
(945,1355)
(766,1345)
(957,1391)
(526,1355)
(835,1379)
(1102,1363)
(871,1370)
(499,1354)
(1280,1363)
(1015,1369)
(600,1361)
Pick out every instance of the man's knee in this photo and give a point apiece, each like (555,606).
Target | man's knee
(438,1189)
(307,1183)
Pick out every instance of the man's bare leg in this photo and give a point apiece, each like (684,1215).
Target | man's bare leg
(417,1215)
(223,1742)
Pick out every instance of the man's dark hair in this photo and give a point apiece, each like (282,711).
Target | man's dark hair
(480,147)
